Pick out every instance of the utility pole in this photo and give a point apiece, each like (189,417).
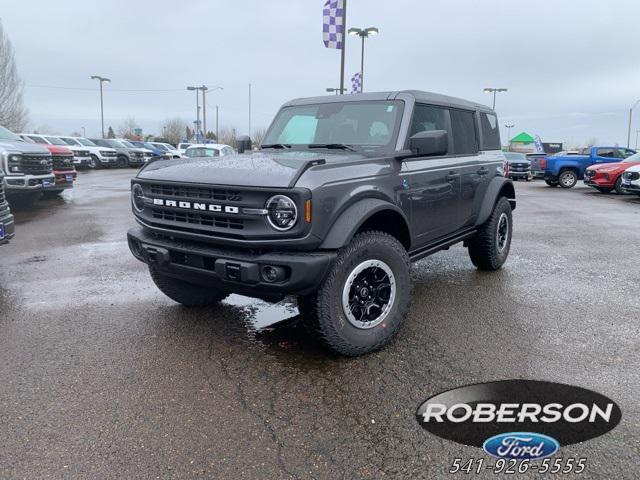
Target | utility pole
(101,80)
(344,45)
(630,117)
(204,110)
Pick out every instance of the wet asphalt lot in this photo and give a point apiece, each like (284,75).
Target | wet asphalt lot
(101,376)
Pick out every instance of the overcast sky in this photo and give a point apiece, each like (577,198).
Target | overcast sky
(571,67)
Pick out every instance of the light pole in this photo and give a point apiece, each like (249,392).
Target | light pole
(637,131)
(101,80)
(84,132)
(494,91)
(217,134)
(630,116)
(197,122)
(249,110)
(332,90)
(204,90)
(363,33)
(509,127)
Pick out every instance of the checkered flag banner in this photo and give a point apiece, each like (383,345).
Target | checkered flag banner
(356,83)
(332,27)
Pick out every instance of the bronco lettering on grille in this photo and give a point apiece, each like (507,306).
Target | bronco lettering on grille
(210,207)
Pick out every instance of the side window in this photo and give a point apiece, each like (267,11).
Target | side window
(463,126)
(606,153)
(426,118)
(624,153)
(490,131)
(37,139)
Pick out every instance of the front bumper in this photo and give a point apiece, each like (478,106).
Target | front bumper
(520,174)
(598,182)
(65,179)
(108,161)
(81,161)
(633,188)
(6,227)
(235,270)
(15,185)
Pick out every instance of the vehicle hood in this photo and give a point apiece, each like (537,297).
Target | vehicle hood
(610,167)
(22,147)
(255,169)
(58,150)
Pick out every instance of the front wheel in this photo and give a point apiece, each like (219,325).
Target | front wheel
(489,248)
(365,298)
(618,186)
(122,161)
(568,179)
(551,183)
(185,293)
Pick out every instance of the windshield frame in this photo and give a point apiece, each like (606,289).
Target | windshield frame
(365,149)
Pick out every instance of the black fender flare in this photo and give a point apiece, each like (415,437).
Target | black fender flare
(353,217)
(499,186)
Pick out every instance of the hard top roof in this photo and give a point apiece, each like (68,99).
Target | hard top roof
(419,96)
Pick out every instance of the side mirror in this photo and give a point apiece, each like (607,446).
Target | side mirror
(244,143)
(429,143)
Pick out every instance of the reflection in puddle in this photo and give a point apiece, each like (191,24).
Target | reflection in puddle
(261,314)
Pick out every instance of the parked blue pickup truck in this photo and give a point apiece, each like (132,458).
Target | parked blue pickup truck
(566,170)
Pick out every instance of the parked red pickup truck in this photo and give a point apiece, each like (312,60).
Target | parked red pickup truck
(63,169)
(608,176)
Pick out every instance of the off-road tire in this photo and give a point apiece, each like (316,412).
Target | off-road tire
(122,161)
(187,294)
(567,178)
(484,249)
(618,186)
(551,183)
(323,312)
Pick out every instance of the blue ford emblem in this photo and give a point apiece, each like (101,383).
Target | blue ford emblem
(521,446)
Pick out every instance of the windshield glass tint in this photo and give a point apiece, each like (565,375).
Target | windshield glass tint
(202,152)
(7,135)
(365,124)
(86,143)
(633,158)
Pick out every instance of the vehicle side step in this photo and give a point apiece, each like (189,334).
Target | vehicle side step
(442,244)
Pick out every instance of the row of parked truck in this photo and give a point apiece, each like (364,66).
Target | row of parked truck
(607,169)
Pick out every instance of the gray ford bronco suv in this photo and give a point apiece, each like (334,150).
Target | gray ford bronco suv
(345,192)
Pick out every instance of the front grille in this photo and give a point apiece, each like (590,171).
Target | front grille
(106,153)
(81,153)
(3,199)
(200,219)
(196,193)
(62,162)
(631,175)
(36,164)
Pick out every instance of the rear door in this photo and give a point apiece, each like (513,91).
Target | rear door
(431,185)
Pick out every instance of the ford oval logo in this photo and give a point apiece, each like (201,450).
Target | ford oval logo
(521,446)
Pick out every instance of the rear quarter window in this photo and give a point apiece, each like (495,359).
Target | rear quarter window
(463,126)
(489,131)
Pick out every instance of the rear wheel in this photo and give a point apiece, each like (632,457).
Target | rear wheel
(187,294)
(364,299)
(490,247)
(568,179)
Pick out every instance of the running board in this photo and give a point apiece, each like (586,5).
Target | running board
(441,245)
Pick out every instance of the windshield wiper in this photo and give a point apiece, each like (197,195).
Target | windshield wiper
(276,145)
(333,146)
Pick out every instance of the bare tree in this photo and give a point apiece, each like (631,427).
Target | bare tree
(228,136)
(174,129)
(127,128)
(258,136)
(13,114)
(591,142)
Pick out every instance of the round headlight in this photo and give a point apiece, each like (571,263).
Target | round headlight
(281,212)
(137,197)
(14,158)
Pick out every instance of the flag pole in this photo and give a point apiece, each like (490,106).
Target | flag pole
(344,44)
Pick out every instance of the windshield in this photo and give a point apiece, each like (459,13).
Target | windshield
(515,156)
(134,143)
(87,143)
(70,141)
(184,145)
(7,135)
(159,146)
(633,158)
(367,126)
(55,141)
(126,143)
(202,152)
